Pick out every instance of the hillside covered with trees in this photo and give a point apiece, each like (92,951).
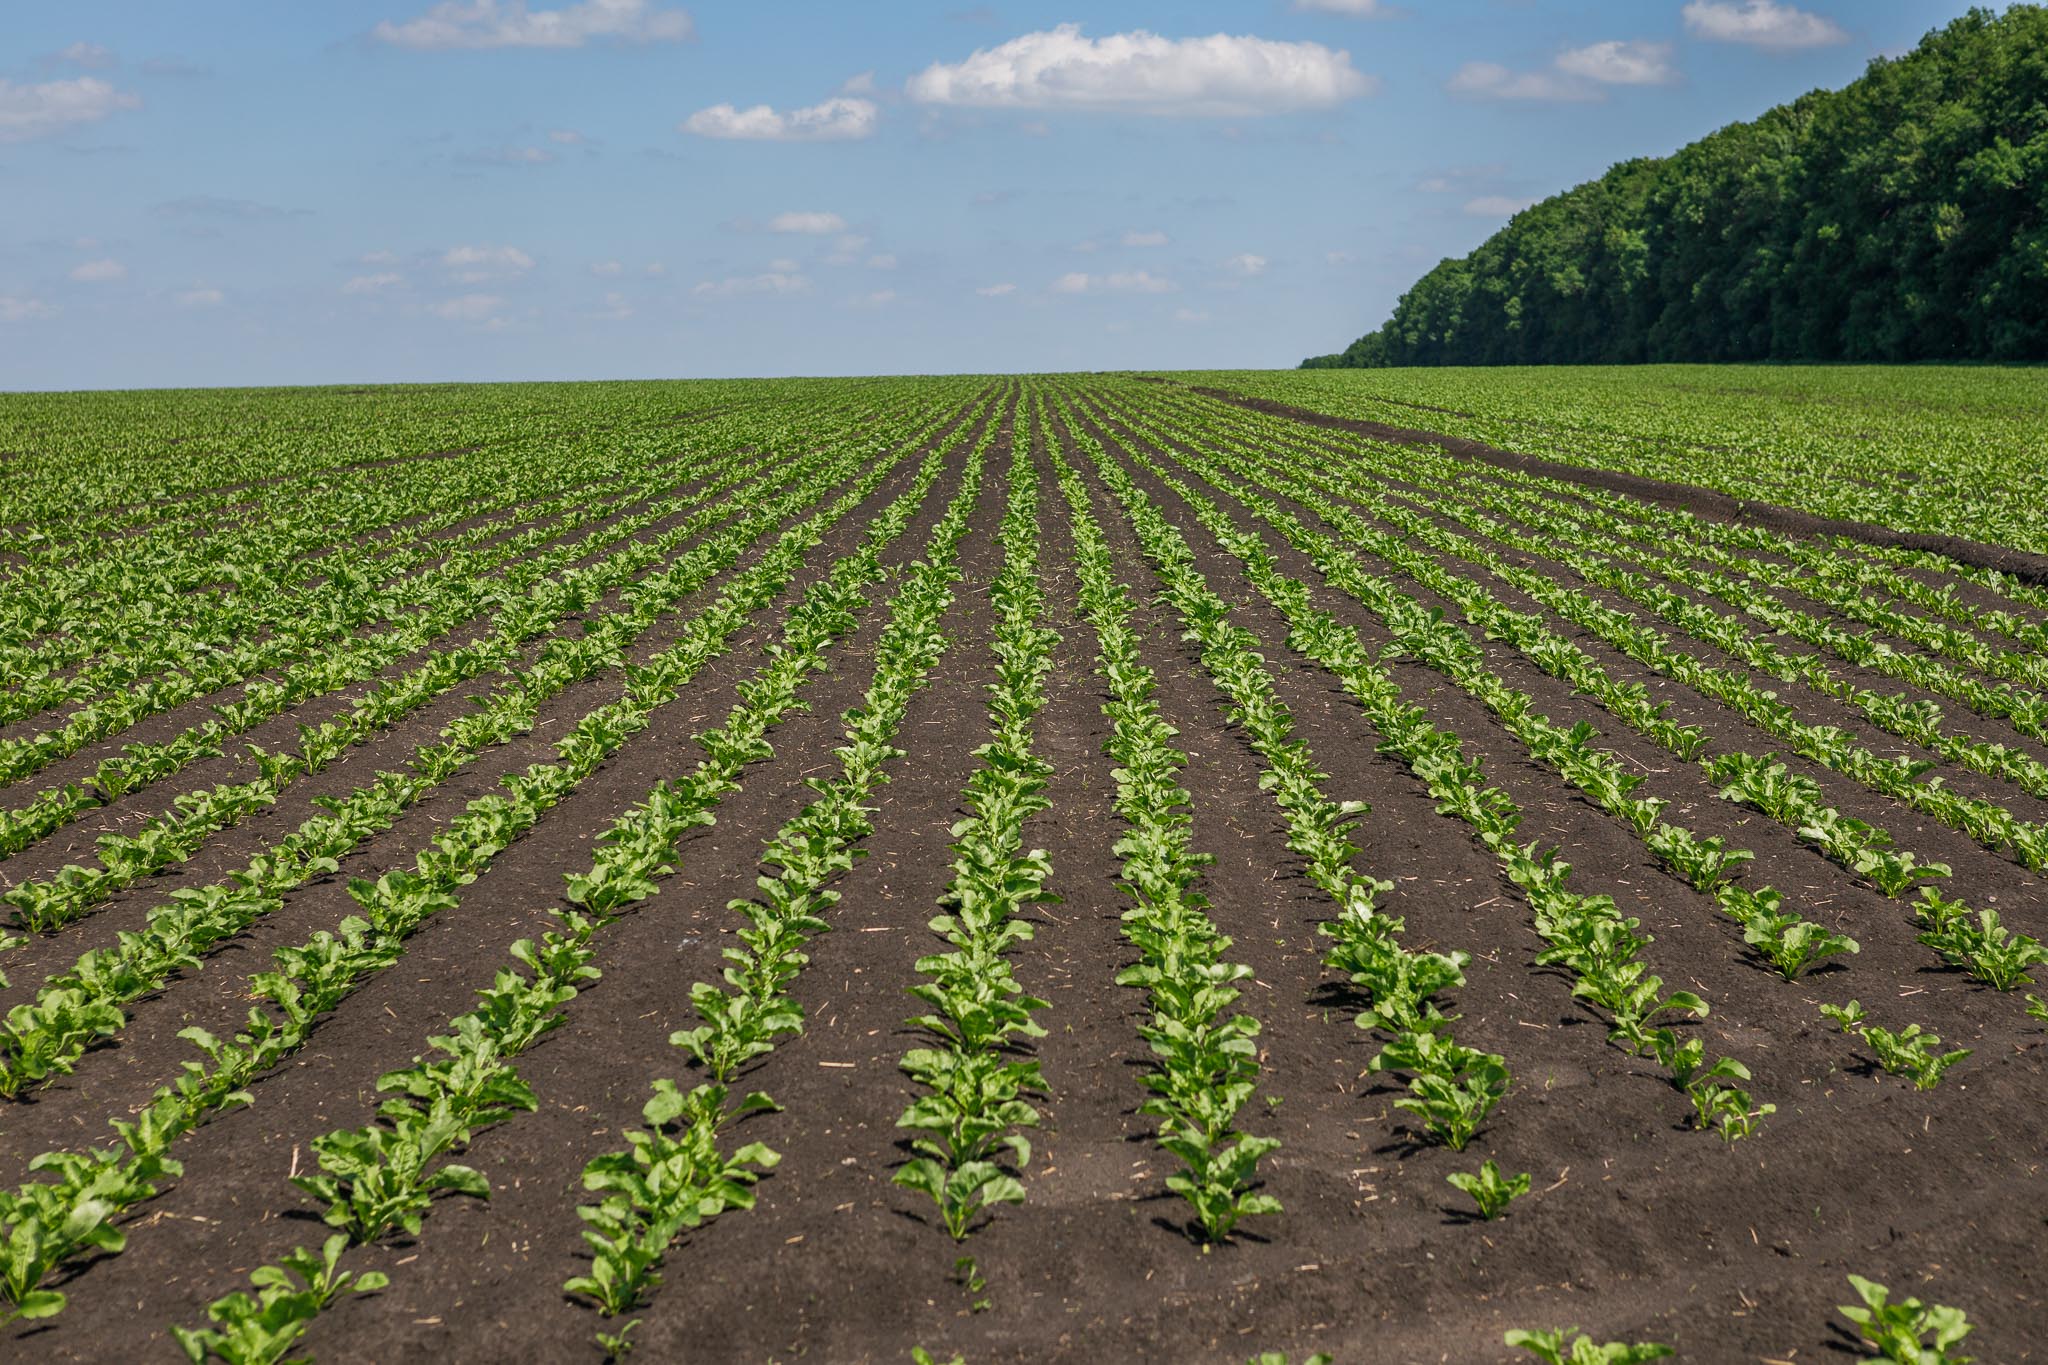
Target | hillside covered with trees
(1903,217)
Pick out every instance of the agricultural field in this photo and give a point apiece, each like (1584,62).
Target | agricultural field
(1074,868)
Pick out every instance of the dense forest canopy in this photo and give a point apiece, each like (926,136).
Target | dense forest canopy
(1904,217)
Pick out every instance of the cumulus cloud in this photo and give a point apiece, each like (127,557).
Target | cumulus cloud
(1620,63)
(1246,264)
(1576,76)
(1141,72)
(874,300)
(1760,23)
(1137,238)
(1496,206)
(816,223)
(509,23)
(833,120)
(616,308)
(607,268)
(1357,9)
(32,111)
(473,264)
(996,291)
(1120,282)
(16,309)
(103,271)
(374,284)
(468,308)
(770,282)
(882,260)
(201,297)
(1189,315)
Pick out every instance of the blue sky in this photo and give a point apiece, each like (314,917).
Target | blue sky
(263,192)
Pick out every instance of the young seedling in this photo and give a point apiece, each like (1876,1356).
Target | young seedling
(1901,1330)
(1489,1189)
(1551,1348)
(1909,1053)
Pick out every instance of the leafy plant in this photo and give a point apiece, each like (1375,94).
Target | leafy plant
(1572,1347)
(1489,1189)
(1907,1331)
(1910,1052)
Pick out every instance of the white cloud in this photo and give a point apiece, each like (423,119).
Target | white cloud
(1246,264)
(201,297)
(607,268)
(1141,72)
(374,284)
(833,120)
(1120,282)
(615,309)
(1760,23)
(794,221)
(380,258)
(1189,315)
(475,264)
(773,282)
(30,111)
(16,309)
(656,269)
(468,308)
(1137,238)
(882,260)
(783,265)
(1339,257)
(1496,206)
(509,23)
(1620,63)
(566,137)
(1357,9)
(996,291)
(102,271)
(876,299)
(1490,80)
(89,55)
(1574,77)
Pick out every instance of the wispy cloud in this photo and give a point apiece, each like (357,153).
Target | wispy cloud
(216,206)
(1151,238)
(106,270)
(1760,23)
(1119,282)
(996,291)
(509,23)
(1246,264)
(832,120)
(14,308)
(769,282)
(374,284)
(33,111)
(204,296)
(1578,75)
(468,308)
(806,222)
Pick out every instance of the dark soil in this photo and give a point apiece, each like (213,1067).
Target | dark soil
(1639,1228)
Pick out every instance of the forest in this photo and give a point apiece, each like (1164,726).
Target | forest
(1901,218)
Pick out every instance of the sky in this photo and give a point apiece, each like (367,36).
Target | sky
(247,192)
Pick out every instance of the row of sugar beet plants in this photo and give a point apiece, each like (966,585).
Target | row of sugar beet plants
(1452,1087)
(1206,1055)
(364,589)
(972,1102)
(382,1177)
(1973,940)
(1786,940)
(672,1174)
(503,577)
(1587,935)
(44,1037)
(1920,722)
(47,1222)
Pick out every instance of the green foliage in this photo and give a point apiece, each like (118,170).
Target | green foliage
(1907,1331)
(1489,1189)
(1572,1347)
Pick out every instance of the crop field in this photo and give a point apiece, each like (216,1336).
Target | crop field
(1075,868)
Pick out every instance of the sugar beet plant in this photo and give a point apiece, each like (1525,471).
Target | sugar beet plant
(966,1121)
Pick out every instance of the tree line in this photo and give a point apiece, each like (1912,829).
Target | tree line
(1901,218)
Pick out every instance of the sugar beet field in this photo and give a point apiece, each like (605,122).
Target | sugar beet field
(1083,868)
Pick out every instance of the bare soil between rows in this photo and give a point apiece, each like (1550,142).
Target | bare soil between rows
(1640,1227)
